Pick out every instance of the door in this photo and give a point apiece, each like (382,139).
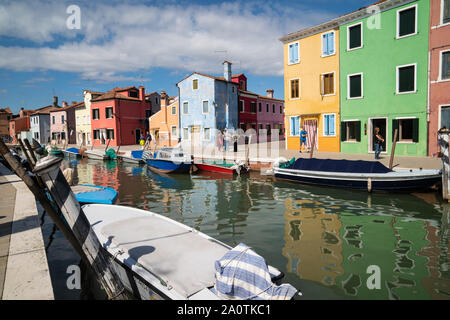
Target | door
(138,135)
(310,126)
(103,136)
(382,124)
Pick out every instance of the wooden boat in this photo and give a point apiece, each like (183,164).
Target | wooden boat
(132,157)
(168,160)
(72,152)
(96,155)
(55,151)
(159,258)
(87,194)
(222,167)
(362,175)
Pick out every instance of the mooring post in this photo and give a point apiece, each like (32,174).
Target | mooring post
(391,160)
(49,170)
(444,143)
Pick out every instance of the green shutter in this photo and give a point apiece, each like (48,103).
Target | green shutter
(407,22)
(395,126)
(343,131)
(415,128)
(355,36)
(358,131)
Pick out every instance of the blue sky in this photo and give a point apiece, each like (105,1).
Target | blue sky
(150,43)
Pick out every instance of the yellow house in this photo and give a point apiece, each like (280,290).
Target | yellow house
(83,118)
(311,82)
(164,123)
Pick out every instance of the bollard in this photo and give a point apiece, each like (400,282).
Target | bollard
(49,170)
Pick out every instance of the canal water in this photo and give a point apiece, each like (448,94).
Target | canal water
(330,243)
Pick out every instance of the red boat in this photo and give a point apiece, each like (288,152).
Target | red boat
(222,167)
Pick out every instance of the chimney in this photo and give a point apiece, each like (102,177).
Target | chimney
(64,104)
(164,99)
(270,93)
(227,70)
(55,101)
(21,114)
(141,93)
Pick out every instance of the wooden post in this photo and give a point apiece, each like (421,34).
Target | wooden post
(26,154)
(27,143)
(444,142)
(313,144)
(391,161)
(48,169)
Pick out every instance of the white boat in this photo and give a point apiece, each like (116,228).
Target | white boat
(158,258)
(97,155)
(132,156)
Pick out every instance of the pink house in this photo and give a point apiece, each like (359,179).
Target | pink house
(270,115)
(439,101)
(62,124)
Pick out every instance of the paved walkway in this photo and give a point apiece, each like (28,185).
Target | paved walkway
(23,268)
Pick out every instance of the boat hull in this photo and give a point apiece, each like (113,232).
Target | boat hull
(167,166)
(131,160)
(219,169)
(96,156)
(376,182)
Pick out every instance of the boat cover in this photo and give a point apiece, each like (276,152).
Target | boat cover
(73,150)
(137,154)
(330,165)
(243,274)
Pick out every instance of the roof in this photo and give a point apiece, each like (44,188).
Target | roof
(149,94)
(334,23)
(45,110)
(72,106)
(210,76)
(114,95)
(260,96)
(118,89)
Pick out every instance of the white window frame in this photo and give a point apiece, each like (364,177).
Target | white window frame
(322,89)
(112,113)
(207,101)
(441,54)
(193,80)
(323,124)
(397,36)
(171,132)
(440,113)
(289,56)
(172,107)
(299,89)
(348,36)
(404,141)
(209,135)
(188,134)
(346,135)
(442,16)
(397,78)
(290,124)
(187,107)
(362,85)
(321,40)
(98,109)
(243,106)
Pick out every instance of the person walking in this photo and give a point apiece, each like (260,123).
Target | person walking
(219,140)
(379,140)
(303,135)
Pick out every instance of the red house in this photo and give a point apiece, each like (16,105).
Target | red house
(119,116)
(19,123)
(247,104)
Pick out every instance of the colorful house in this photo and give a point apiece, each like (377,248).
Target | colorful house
(62,124)
(311,82)
(119,116)
(270,115)
(208,103)
(164,123)
(384,77)
(40,124)
(83,118)
(19,125)
(5,117)
(439,103)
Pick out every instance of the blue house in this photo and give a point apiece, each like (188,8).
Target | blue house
(207,104)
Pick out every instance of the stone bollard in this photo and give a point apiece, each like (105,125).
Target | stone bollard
(48,169)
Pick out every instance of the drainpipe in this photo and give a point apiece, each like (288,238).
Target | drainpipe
(428,103)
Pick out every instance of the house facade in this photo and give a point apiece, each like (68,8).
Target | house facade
(208,103)
(439,103)
(40,124)
(118,117)
(311,82)
(164,124)
(62,124)
(270,116)
(83,118)
(384,77)
(19,125)
(5,117)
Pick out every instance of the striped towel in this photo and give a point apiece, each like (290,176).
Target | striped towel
(243,275)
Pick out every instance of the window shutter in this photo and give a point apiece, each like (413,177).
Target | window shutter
(291,53)
(330,43)
(358,131)
(325,44)
(407,22)
(355,37)
(415,128)
(343,131)
(395,126)
(331,125)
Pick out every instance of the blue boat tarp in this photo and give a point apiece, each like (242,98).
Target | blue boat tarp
(102,195)
(330,165)
(73,150)
(137,154)
(243,274)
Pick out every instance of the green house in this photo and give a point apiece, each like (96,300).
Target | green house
(384,77)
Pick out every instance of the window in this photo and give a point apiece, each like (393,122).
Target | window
(281,109)
(445,117)
(174,110)
(148,113)
(259,107)
(95,114)
(185,107)
(408,129)
(294,53)
(406,79)
(206,134)
(195,84)
(295,126)
(96,134)
(273,108)
(328,84)
(351,131)
(267,107)
(241,106)
(329,125)
(295,89)
(62,119)
(445,62)
(242,84)
(110,133)
(354,37)
(328,44)
(445,11)
(407,22)
(269,132)
(186,133)
(205,108)
(355,86)
(36,135)
(109,112)
(133,94)
(174,132)
(63,136)
(253,107)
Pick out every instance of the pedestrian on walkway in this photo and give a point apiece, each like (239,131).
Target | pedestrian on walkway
(303,135)
(379,140)
(219,140)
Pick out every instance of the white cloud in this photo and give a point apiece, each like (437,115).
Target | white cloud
(127,38)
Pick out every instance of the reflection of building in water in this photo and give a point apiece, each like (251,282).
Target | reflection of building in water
(312,243)
(437,284)
(105,174)
(391,243)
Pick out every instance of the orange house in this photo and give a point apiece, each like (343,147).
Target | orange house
(164,124)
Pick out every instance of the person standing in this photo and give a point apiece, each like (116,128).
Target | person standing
(303,136)
(379,140)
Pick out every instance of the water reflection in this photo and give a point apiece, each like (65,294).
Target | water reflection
(323,239)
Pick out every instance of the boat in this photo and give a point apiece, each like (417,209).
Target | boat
(222,166)
(132,157)
(54,151)
(101,155)
(159,258)
(87,194)
(351,174)
(72,152)
(168,160)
